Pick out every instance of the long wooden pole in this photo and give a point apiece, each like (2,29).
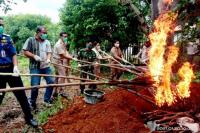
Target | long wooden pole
(79,71)
(46,75)
(120,67)
(146,98)
(116,67)
(133,66)
(72,68)
(66,84)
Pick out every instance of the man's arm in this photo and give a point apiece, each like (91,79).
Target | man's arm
(115,55)
(26,49)
(65,56)
(28,54)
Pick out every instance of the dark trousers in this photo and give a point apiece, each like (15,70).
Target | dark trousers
(20,94)
(84,75)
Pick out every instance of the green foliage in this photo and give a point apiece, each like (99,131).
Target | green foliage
(105,19)
(47,112)
(128,76)
(20,27)
(23,63)
(74,64)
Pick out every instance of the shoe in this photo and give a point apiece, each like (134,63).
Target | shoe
(32,122)
(48,103)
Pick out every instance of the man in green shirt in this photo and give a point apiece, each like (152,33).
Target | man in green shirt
(87,54)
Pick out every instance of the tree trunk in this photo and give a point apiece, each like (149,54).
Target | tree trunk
(136,11)
(159,6)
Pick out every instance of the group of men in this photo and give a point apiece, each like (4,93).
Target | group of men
(38,50)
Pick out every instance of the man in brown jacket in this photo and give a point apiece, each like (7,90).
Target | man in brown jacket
(116,53)
(60,54)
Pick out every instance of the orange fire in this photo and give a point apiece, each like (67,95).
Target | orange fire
(161,59)
(186,74)
(168,1)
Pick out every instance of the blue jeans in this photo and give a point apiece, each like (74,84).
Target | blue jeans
(35,80)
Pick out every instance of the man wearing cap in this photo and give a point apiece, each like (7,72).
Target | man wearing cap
(38,50)
(87,54)
(8,64)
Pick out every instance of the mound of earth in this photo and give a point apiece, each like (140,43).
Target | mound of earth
(119,112)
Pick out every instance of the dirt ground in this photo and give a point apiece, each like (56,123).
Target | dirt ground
(11,115)
(117,113)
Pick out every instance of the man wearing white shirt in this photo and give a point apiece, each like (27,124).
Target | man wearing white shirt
(38,50)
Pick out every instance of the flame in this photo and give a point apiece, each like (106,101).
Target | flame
(158,40)
(161,59)
(165,85)
(168,1)
(186,74)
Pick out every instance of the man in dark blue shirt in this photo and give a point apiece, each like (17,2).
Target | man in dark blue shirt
(8,64)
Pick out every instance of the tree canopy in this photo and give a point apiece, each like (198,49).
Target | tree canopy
(103,20)
(20,27)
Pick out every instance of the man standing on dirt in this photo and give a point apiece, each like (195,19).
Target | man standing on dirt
(8,64)
(88,55)
(38,49)
(60,55)
(116,53)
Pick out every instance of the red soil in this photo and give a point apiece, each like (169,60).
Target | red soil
(119,112)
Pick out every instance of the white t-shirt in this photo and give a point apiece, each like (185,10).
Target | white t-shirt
(98,55)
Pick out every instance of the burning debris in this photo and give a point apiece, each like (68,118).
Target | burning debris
(162,56)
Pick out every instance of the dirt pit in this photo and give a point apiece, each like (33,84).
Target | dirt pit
(119,112)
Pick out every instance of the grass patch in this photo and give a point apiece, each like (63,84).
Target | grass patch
(24,69)
(128,76)
(74,64)
(46,112)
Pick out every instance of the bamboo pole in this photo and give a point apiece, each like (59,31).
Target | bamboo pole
(116,67)
(146,98)
(133,66)
(72,68)
(79,71)
(46,75)
(66,84)
(120,67)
